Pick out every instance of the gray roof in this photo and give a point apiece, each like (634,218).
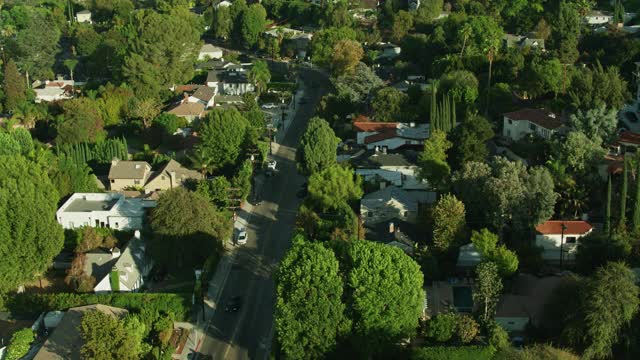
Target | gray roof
(131,262)
(409,199)
(98,263)
(65,341)
(375,160)
(208,48)
(403,232)
(181,172)
(212,76)
(82,205)
(204,93)
(124,169)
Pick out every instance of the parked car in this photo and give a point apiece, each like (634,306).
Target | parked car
(272,164)
(242,238)
(234,304)
(269,106)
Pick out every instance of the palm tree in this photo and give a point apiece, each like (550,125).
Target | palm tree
(584,6)
(71,64)
(260,75)
(491,52)
(27,114)
(466,33)
(201,161)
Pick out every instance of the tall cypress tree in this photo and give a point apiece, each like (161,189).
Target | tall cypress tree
(607,209)
(14,86)
(636,209)
(623,195)
(453,113)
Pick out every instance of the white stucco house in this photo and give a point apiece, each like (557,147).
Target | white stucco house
(230,79)
(83,16)
(397,169)
(390,136)
(393,202)
(596,17)
(540,122)
(110,210)
(128,268)
(208,51)
(552,233)
(52,93)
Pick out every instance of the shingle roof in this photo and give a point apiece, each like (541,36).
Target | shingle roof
(212,76)
(181,172)
(541,117)
(204,93)
(629,137)
(554,227)
(373,160)
(410,200)
(131,262)
(124,169)
(187,109)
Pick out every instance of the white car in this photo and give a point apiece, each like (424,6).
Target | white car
(272,164)
(242,238)
(269,106)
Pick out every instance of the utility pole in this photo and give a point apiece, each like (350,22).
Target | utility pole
(564,228)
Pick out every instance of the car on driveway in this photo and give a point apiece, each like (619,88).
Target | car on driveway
(269,106)
(242,238)
(234,304)
(272,164)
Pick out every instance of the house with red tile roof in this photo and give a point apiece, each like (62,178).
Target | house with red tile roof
(540,122)
(389,135)
(554,235)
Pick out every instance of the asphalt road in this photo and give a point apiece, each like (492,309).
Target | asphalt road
(247,334)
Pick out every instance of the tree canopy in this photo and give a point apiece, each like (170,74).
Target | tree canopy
(333,186)
(318,146)
(223,134)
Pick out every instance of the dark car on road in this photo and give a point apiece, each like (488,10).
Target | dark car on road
(234,304)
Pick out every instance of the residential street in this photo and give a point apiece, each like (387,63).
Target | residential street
(247,333)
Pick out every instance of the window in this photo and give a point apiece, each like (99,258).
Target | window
(532,126)
(163,177)
(406,213)
(370,214)
(116,225)
(571,239)
(137,182)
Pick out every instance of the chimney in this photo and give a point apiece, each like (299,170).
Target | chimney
(391,228)
(185,97)
(136,234)
(172,176)
(115,253)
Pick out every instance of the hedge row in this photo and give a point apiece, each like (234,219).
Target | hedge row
(454,353)
(178,304)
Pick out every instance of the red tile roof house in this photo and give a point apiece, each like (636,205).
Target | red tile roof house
(543,123)
(390,136)
(551,234)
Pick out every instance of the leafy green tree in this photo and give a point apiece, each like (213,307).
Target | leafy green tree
(487,244)
(537,352)
(183,224)
(334,185)
(448,222)
(324,41)
(593,87)
(85,39)
(114,103)
(487,289)
(539,199)
(442,327)
(542,77)
(71,64)
(24,140)
(595,250)
(81,122)
(260,75)
(222,134)
(466,328)
(565,32)
(428,11)
(318,146)
(345,57)
(222,22)
(216,190)
(497,336)
(27,211)
(462,85)
(579,151)
(470,138)
(8,145)
(611,301)
(433,160)
(336,14)
(389,104)
(14,86)
(33,49)
(310,315)
(20,344)
(381,275)
(402,23)
(69,176)
(357,87)
(163,52)
(242,179)
(125,336)
(252,24)
(597,123)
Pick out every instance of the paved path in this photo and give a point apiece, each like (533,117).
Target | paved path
(248,270)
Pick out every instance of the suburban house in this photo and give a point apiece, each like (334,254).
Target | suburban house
(519,41)
(390,136)
(468,257)
(120,271)
(389,51)
(203,95)
(551,234)
(525,303)
(393,202)
(191,111)
(596,17)
(65,342)
(397,169)
(112,210)
(230,78)
(540,122)
(54,91)
(170,176)
(297,39)
(223,3)
(83,16)
(208,51)
(394,232)
(125,174)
